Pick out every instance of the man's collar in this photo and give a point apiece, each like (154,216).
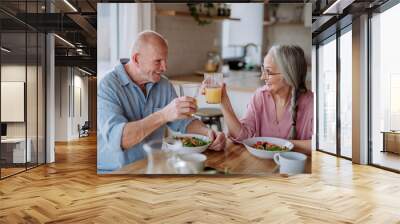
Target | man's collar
(125,79)
(122,75)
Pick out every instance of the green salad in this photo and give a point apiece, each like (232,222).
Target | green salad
(268,146)
(192,141)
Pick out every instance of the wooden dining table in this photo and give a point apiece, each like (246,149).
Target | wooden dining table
(234,159)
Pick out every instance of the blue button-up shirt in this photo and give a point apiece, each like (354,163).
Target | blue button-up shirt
(119,101)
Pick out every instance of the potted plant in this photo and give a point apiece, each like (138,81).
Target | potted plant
(200,9)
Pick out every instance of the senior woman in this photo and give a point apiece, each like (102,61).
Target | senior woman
(283,107)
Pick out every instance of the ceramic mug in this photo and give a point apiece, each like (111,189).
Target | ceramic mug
(290,162)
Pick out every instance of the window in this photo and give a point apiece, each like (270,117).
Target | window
(22,65)
(327,96)
(385,88)
(346,94)
(118,23)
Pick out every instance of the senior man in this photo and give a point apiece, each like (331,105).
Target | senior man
(135,102)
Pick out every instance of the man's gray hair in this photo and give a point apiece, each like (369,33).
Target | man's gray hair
(292,63)
(144,37)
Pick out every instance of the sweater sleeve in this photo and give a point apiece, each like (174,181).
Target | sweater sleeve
(248,123)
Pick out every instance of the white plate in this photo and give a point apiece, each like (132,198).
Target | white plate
(263,153)
(169,142)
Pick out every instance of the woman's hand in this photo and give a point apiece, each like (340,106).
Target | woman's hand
(224,95)
(218,140)
(230,118)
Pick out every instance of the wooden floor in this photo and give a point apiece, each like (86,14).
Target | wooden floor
(5,172)
(387,159)
(10,171)
(70,191)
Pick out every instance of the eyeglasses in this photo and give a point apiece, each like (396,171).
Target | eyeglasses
(266,72)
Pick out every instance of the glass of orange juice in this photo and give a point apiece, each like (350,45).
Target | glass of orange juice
(213,87)
(190,89)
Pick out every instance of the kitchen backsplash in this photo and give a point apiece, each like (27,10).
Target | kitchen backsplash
(188,42)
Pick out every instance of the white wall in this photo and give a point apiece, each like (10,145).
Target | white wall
(80,83)
(67,114)
(61,103)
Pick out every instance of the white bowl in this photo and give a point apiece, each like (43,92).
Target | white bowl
(264,154)
(172,145)
(196,159)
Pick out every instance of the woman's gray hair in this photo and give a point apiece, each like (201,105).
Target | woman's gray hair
(292,64)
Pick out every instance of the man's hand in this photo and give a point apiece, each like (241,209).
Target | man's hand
(179,108)
(218,140)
